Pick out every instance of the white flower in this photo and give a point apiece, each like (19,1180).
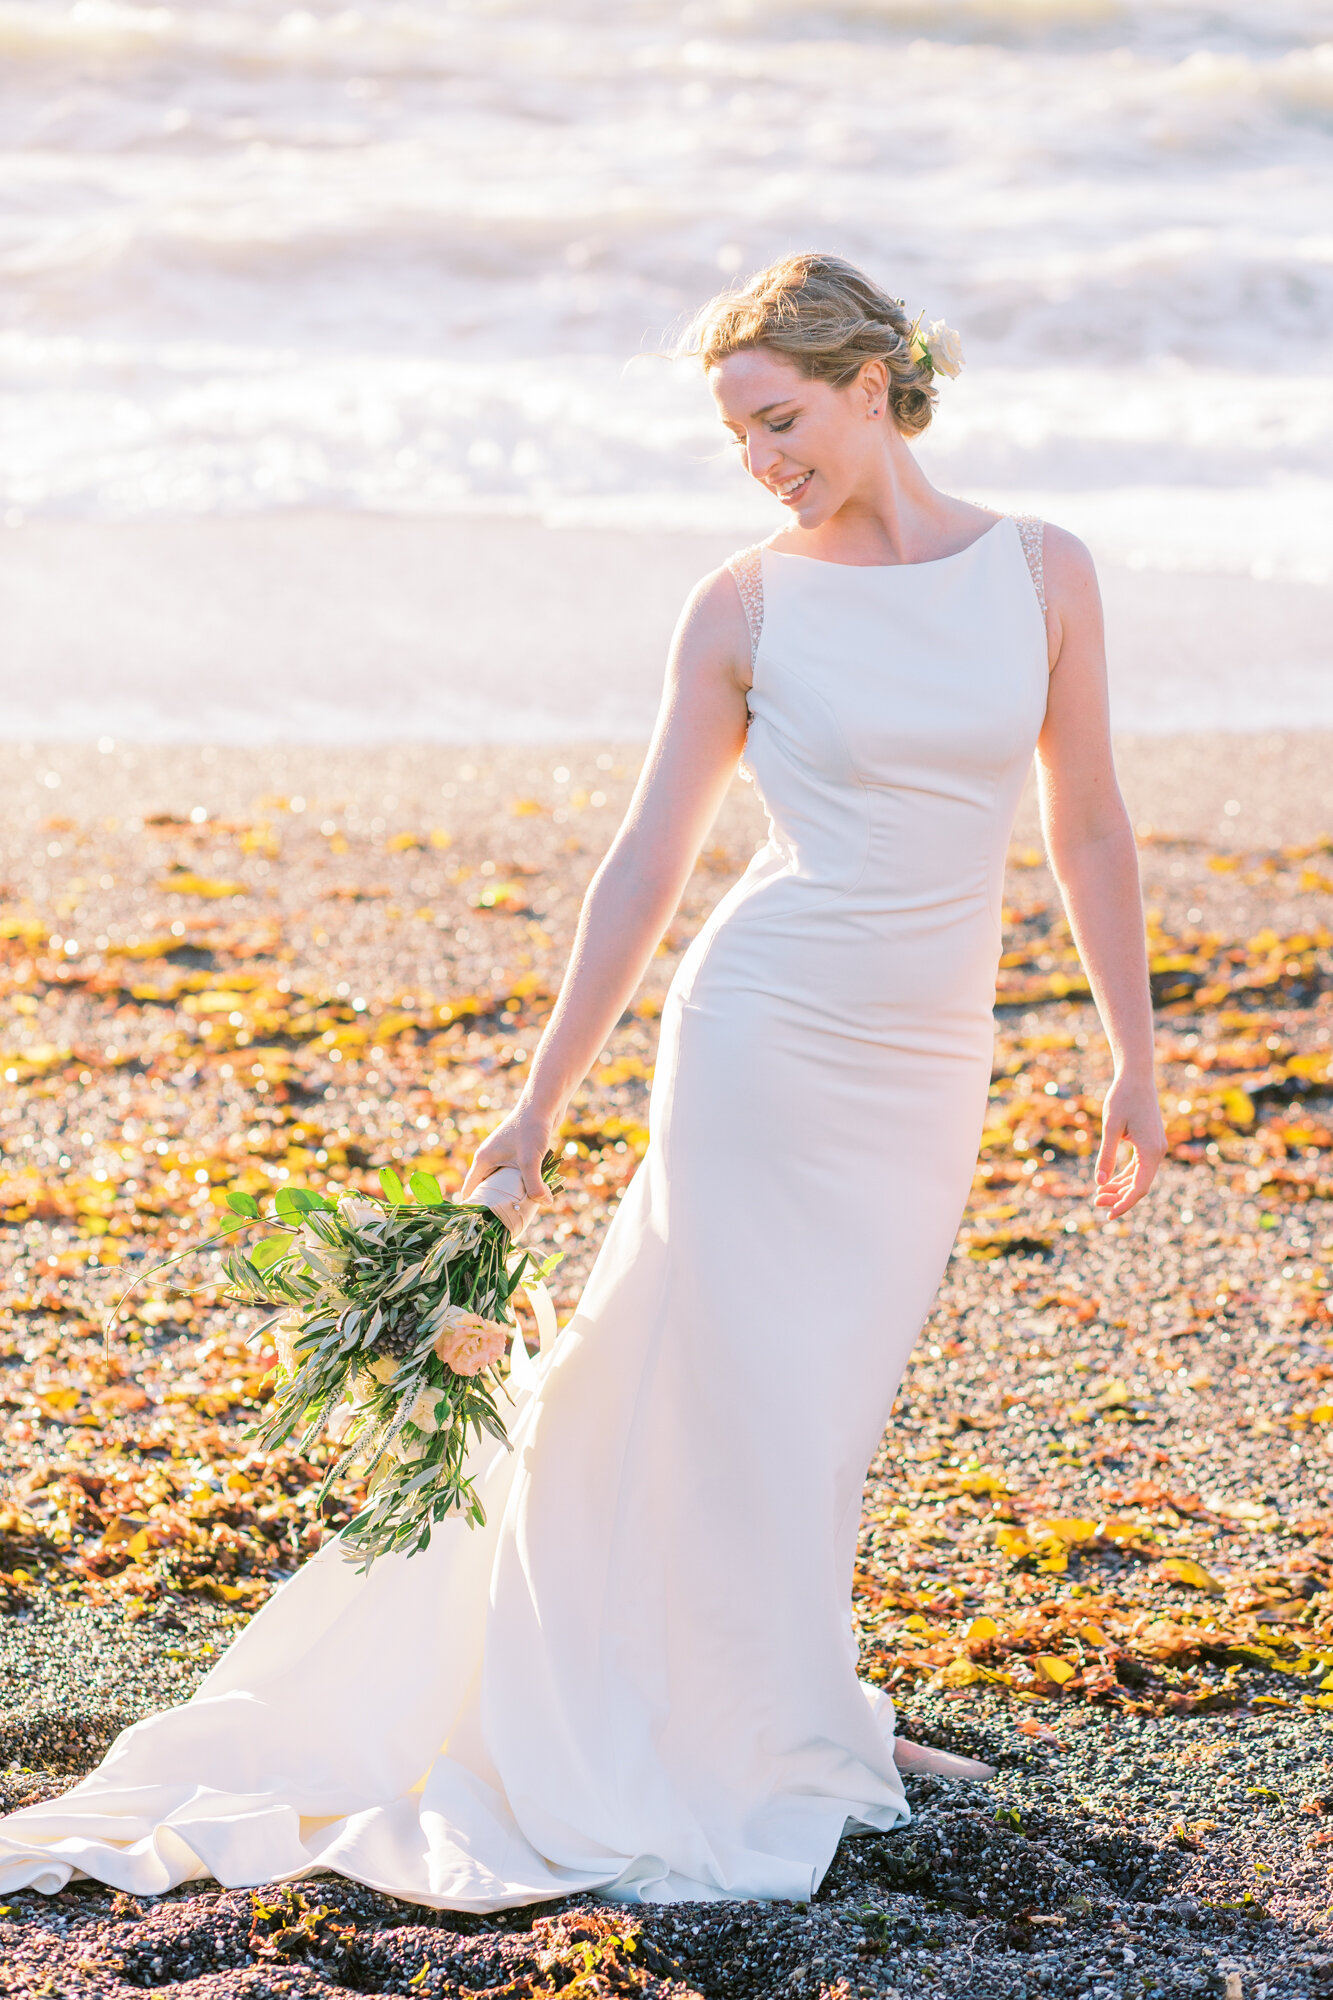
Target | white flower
(310,1239)
(383,1369)
(284,1339)
(406,1449)
(944,348)
(322,1258)
(425,1412)
(357,1211)
(341,1422)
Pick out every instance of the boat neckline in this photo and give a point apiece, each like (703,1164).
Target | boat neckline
(931,562)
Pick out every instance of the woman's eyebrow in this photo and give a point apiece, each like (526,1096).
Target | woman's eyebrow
(735,423)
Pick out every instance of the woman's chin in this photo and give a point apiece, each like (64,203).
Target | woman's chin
(805,511)
(806,514)
(800,506)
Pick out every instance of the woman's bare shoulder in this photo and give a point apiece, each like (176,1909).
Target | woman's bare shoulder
(1068,562)
(713,627)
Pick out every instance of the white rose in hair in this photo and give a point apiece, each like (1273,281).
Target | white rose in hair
(944,348)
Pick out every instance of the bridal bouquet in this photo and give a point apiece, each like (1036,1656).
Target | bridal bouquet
(391,1317)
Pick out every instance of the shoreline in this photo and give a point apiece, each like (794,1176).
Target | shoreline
(340,628)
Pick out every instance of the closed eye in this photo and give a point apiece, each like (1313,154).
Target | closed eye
(775,424)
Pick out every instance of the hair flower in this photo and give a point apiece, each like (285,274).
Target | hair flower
(938,348)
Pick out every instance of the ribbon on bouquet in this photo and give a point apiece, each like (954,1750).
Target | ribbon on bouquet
(503,1193)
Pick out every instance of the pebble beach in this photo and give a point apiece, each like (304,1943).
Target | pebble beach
(347,505)
(1097,1544)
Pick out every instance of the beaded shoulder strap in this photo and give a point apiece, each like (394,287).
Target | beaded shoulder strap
(747,569)
(1031,530)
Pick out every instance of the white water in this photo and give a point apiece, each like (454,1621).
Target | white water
(419,258)
(423,259)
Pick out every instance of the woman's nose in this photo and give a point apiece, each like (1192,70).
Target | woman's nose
(761,455)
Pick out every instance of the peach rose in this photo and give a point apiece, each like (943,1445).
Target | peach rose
(467,1343)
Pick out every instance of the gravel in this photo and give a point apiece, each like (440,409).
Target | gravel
(1163,1829)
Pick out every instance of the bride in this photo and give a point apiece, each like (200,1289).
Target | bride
(639,1678)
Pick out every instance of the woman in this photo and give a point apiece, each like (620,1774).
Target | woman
(639,1678)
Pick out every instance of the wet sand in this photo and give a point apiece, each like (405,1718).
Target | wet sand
(349,629)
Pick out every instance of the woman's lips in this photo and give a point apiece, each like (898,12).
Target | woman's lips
(788,490)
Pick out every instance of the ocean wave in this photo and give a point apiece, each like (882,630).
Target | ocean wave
(112,432)
(321,30)
(397,257)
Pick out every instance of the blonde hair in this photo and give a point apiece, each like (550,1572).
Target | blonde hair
(828,319)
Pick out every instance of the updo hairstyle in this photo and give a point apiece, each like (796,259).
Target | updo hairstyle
(825,317)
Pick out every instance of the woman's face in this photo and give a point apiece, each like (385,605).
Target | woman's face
(812,445)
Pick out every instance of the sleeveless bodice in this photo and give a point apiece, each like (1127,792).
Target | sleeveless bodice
(894,711)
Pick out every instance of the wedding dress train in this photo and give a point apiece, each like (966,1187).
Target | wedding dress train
(639,1677)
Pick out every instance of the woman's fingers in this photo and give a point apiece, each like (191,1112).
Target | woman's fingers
(1120,1188)
(1141,1179)
(1139,1126)
(509,1145)
(1113,1131)
(487,1160)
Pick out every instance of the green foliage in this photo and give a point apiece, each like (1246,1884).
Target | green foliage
(292,1203)
(264,1254)
(363,1289)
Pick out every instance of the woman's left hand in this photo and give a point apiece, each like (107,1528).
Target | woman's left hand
(1131,1115)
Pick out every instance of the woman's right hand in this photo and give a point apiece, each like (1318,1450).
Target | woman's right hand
(521,1140)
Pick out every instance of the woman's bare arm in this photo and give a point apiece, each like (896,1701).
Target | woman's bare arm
(1092,851)
(696,744)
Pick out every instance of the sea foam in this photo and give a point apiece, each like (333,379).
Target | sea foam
(424,258)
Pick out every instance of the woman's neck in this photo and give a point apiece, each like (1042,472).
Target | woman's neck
(896,516)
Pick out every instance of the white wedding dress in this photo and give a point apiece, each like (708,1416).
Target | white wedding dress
(639,1677)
